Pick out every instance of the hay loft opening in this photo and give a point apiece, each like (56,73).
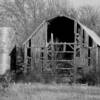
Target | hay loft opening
(62,29)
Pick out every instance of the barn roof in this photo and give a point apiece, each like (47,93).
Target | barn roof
(34,33)
(90,32)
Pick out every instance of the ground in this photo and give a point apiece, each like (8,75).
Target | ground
(49,92)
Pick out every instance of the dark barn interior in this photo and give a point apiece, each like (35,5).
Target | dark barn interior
(13,59)
(16,59)
(62,29)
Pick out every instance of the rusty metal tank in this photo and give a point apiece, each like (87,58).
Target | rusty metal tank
(6,38)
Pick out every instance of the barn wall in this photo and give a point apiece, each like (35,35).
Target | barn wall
(98,67)
(98,63)
(33,46)
(81,46)
(85,48)
(40,38)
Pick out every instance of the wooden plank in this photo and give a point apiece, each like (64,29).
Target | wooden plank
(75,27)
(61,60)
(60,51)
(64,47)
(61,43)
(97,54)
(25,60)
(65,68)
(75,68)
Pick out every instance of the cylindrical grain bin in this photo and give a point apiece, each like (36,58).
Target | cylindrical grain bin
(5,43)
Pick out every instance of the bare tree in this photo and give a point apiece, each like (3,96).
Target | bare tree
(22,21)
(59,7)
(25,15)
(90,17)
(15,14)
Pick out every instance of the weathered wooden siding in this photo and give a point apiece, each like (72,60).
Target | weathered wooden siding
(32,48)
(39,40)
(98,62)
(98,67)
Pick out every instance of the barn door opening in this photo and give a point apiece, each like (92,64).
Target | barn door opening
(13,59)
(60,39)
(62,29)
(90,48)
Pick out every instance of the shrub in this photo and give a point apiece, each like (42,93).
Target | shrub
(89,77)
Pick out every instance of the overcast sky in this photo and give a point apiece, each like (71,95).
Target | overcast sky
(78,3)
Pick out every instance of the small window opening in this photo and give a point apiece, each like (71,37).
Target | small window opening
(28,52)
(83,37)
(30,43)
(78,52)
(90,42)
(29,49)
(78,29)
(89,57)
(42,55)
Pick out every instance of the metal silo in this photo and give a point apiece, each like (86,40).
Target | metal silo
(5,46)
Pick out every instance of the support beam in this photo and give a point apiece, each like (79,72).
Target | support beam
(25,58)
(97,54)
(75,67)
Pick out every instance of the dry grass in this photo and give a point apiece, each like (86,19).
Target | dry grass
(49,92)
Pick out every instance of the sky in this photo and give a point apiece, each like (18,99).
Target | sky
(78,3)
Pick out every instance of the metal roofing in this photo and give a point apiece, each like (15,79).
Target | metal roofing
(92,34)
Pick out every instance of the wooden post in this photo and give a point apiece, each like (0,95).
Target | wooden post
(64,48)
(53,57)
(87,39)
(81,45)
(97,64)
(75,67)
(45,47)
(31,53)
(97,57)
(52,46)
(25,58)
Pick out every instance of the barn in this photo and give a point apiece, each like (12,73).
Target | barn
(63,44)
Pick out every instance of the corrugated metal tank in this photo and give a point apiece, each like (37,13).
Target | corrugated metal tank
(5,46)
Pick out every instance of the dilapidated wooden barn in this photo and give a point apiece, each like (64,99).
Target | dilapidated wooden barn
(63,44)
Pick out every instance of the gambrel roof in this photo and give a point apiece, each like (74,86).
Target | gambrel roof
(88,31)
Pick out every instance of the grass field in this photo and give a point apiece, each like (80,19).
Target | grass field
(49,92)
